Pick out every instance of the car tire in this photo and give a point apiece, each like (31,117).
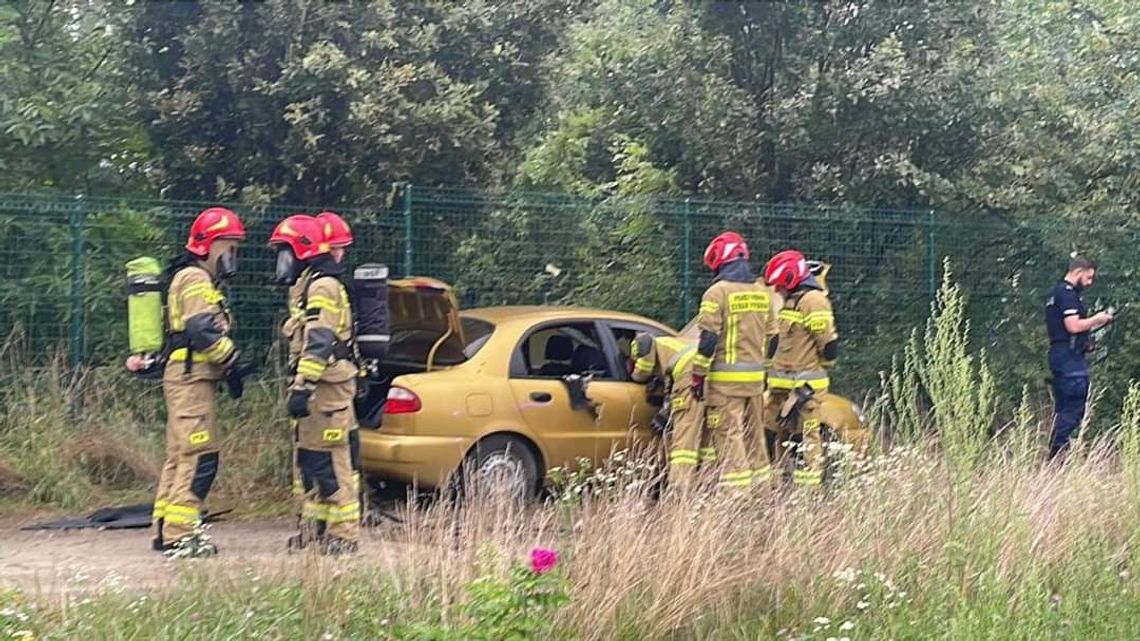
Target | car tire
(497,463)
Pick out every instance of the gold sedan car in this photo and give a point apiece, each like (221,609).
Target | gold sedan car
(500,388)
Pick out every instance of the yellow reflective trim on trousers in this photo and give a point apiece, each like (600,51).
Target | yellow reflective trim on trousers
(708,454)
(159,509)
(807,477)
(683,454)
(179,355)
(344,513)
(762,475)
(315,511)
(182,514)
(736,377)
(736,479)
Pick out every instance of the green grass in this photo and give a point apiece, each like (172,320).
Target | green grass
(950,530)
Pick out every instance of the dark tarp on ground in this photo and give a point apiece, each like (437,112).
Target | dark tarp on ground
(124,517)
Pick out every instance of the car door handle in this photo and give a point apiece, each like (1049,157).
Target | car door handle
(541,397)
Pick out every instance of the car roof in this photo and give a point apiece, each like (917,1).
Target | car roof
(539,313)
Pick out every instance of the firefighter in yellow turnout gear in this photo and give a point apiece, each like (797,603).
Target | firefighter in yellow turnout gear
(201,354)
(670,360)
(806,348)
(734,324)
(320,397)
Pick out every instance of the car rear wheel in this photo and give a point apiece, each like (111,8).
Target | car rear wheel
(502,467)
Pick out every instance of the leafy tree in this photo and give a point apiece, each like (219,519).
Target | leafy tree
(62,122)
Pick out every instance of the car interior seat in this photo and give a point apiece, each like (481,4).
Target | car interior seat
(559,351)
(588,360)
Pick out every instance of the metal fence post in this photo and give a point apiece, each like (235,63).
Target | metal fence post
(76,347)
(686,262)
(931,258)
(408,252)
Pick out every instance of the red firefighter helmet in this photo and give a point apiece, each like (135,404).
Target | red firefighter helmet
(787,269)
(724,248)
(213,224)
(302,234)
(337,232)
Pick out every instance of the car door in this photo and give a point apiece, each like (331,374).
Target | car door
(617,336)
(543,398)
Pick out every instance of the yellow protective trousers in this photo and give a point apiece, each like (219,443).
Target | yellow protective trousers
(806,422)
(735,424)
(330,504)
(191,462)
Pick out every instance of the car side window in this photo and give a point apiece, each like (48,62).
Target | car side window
(623,336)
(555,351)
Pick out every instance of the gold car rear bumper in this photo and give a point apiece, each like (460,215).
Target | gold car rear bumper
(423,460)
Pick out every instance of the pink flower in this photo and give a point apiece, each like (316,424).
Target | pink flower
(543,560)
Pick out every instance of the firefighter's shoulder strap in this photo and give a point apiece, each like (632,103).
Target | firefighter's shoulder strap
(175,340)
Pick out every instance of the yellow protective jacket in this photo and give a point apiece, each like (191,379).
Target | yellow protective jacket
(806,328)
(326,353)
(293,329)
(736,313)
(199,323)
(668,358)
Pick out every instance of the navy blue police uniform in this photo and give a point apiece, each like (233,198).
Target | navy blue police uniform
(1068,363)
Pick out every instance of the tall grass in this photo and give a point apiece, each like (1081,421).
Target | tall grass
(70,440)
(957,530)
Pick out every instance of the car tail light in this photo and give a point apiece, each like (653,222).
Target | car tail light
(402,401)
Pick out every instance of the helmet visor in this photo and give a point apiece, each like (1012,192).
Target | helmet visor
(227,263)
(288,267)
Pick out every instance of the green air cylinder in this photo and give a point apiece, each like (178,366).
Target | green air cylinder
(144,305)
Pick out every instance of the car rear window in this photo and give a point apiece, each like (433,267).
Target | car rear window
(477,332)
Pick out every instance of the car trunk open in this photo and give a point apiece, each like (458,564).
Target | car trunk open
(426,334)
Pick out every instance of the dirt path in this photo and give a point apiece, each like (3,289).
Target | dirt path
(51,563)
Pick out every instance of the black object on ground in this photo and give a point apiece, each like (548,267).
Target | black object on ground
(124,517)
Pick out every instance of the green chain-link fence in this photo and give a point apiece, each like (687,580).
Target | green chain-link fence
(62,263)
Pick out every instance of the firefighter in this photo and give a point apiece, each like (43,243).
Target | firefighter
(670,360)
(731,352)
(320,399)
(201,354)
(338,235)
(297,241)
(805,349)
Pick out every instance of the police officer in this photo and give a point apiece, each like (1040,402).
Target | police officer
(670,360)
(1068,325)
(202,354)
(735,316)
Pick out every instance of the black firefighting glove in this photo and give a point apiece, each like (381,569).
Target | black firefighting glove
(240,368)
(699,387)
(298,401)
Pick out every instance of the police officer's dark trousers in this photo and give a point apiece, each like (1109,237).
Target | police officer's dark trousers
(1070,393)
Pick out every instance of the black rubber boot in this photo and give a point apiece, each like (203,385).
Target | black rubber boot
(336,546)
